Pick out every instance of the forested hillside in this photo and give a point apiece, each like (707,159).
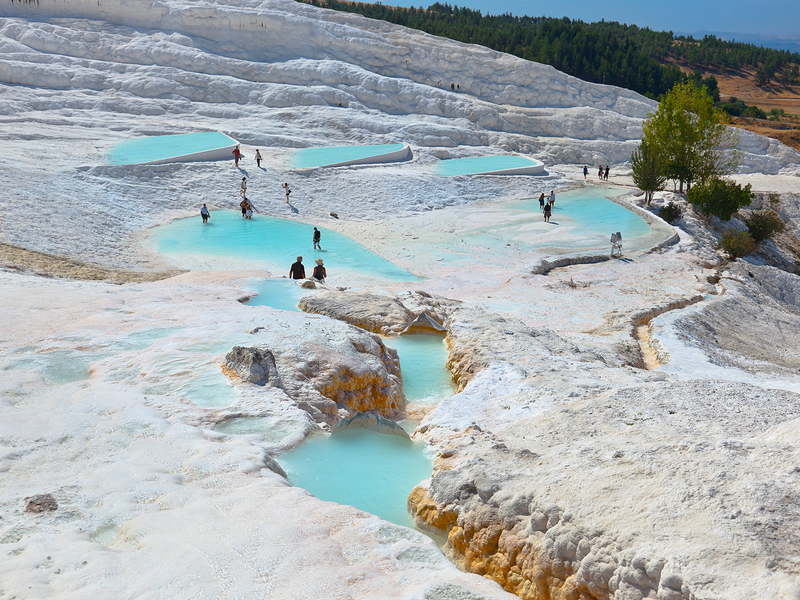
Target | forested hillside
(605,52)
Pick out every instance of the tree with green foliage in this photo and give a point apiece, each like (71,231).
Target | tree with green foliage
(648,171)
(720,198)
(763,224)
(691,136)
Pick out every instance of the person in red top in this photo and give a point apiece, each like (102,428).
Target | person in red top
(237,154)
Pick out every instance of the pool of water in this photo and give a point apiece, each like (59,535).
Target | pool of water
(582,220)
(422,363)
(369,470)
(229,242)
(309,158)
(163,147)
(280,293)
(486,164)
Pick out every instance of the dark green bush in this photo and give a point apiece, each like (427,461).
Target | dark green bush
(737,243)
(720,198)
(670,212)
(763,224)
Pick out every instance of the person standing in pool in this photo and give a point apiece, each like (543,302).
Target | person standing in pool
(298,271)
(585,172)
(286,189)
(547,213)
(552,199)
(541,202)
(319,271)
(249,212)
(204,213)
(317,236)
(237,154)
(258,158)
(243,205)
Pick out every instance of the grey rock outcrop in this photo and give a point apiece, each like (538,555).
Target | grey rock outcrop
(372,422)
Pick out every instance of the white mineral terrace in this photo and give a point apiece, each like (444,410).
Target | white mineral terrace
(563,467)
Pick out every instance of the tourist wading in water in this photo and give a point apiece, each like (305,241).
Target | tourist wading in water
(317,236)
(319,271)
(547,211)
(541,201)
(298,271)
(204,213)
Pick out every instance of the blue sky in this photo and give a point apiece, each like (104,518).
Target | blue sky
(771,18)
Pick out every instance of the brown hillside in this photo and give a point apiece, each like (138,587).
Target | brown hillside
(741,84)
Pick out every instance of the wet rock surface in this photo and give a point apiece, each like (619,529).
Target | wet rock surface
(340,368)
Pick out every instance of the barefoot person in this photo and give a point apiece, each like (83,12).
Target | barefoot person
(319,271)
(243,205)
(552,202)
(547,212)
(243,187)
(317,236)
(258,158)
(286,189)
(541,201)
(204,213)
(298,271)
(237,154)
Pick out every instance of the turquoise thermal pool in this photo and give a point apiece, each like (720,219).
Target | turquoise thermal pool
(489,165)
(230,242)
(423,360)
(310,158)
(369,470)
(166,148)
(280,293)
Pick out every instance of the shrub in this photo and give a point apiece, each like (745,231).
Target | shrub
(737,243)
(670,212)
(720,198)
(763,224)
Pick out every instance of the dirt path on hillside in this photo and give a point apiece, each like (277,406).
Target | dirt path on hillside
(13,258)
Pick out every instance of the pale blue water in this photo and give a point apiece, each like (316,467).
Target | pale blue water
(596,215)
(481,164)
(269,242)
(280,293)
(66,365)
(160,147)
(369,470)
(422,363)
(309,158)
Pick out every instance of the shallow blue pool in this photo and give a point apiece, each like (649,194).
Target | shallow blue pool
(423,360)
(162,147)
(309,158)
(371,471)
(484,164)
(280,293)
(228,241)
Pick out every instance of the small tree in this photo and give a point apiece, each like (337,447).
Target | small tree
(648,171)
(763,224)
(720,198)
(691,136)
(737,243)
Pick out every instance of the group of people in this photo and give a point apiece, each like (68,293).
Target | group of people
(298,271)
(602,174)
(546,205)
(237,156)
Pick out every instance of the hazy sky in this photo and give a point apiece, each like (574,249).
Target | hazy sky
(779,18)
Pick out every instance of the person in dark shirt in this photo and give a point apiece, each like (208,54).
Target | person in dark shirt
(317,236)
(298,271)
